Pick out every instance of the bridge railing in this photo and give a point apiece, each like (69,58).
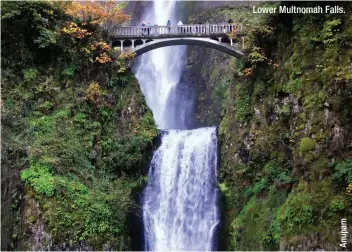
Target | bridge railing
(155,31)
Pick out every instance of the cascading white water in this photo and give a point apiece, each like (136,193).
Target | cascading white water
(180,200)
(159,72)
(180,203)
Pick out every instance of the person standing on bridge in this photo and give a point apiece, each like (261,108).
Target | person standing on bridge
(231,24)
(148,27)
(143,29)
(169,25)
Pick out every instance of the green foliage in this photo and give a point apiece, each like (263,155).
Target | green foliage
(79,140)
(272,239)
(301,62)
(42,125)
(69,71)
(85,215)
(292,86)
(45,106)
(32,29)
(257,225)
(224,189)
(147,128)
(118,80)
(242,104)
(343,172)
(220,90)
(80,117)
(297,212)
(256,56)
(258,187)
(311,207)
(285,110)
(46,38)
(29,74)
(61,114)
(330,28)
(86,202)
(40,178)
(338,204)
(307,144)
(277,174)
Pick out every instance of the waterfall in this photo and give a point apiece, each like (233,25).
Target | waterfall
(180,200)
(159,72)
(179,210)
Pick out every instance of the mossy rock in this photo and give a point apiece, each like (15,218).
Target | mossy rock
(306,144)
(302,127)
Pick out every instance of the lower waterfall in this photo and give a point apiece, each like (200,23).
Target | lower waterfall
(180,201)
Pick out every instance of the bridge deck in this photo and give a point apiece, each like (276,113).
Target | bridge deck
(200,30)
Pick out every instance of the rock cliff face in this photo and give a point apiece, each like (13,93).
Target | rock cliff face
(10,189)
(285,134)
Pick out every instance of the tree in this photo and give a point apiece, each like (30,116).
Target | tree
(94,12)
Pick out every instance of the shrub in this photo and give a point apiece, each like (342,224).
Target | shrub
(29,74)
(338,204)
(242,104)
(343,172)
(40,178)
(277,174)
(69,71)
(42,125)
(94,93)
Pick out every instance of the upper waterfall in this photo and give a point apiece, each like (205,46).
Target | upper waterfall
(159,73)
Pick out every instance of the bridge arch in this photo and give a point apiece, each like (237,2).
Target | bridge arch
(205,42)
(127,43)
(116,43)
(138,42)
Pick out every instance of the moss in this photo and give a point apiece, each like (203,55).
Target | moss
(306,144)
(285,110)
(242,104)
(310,208)
(308,157)
(302,127)
(257,224)
(320,168)
(338,204)
(335,102)
(293,86)
(32,219)
(303,116)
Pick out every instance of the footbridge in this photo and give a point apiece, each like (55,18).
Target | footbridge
(142,39)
